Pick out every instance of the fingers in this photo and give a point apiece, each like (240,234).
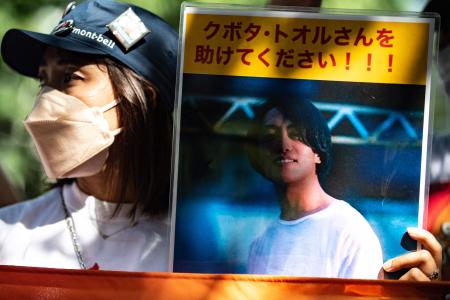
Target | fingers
(415,274)
(422,260)
(423,265)
(429,242)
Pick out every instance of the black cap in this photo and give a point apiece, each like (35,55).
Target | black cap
(139,39)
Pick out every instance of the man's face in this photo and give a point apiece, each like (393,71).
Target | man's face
(286,159)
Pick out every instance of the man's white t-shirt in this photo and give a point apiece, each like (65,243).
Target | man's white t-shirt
(35,233)
(334,242)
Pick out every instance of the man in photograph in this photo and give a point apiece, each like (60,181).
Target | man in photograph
(316,234)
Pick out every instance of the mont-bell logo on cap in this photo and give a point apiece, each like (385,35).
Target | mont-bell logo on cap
(63,27)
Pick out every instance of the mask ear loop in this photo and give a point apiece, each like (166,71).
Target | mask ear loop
(116,131)
(107,107)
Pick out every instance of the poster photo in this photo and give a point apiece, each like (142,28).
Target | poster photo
(301,141)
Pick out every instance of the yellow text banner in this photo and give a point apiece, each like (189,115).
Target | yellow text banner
(302,48)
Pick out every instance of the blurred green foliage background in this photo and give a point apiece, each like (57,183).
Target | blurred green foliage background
(17,156)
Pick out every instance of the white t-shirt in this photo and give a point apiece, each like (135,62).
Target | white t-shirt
(334,242)
(35,233)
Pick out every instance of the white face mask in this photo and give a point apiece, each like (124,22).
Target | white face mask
(71,138)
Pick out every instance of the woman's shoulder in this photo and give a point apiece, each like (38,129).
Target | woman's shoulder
(32,209)
(159,224)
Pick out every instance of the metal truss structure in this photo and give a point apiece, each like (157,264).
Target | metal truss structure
(364,124)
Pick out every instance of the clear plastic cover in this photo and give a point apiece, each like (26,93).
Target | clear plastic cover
(301,139)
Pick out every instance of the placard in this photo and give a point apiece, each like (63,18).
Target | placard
(301,140)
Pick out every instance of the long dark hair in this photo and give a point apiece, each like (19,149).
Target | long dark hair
(141,155)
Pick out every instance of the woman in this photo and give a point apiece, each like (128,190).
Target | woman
(102,126)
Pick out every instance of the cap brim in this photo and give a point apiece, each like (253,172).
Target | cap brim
(23,50)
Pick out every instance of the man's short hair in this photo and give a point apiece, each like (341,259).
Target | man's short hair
(306,118)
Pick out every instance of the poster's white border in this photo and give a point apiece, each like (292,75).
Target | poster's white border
(427,130)
(175,137)
(327,14)
(305,13)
